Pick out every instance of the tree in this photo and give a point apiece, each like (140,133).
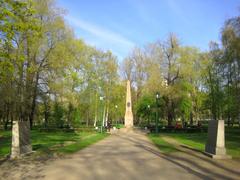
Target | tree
(17,25)
(174,71)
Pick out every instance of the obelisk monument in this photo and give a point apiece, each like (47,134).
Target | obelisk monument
(128,112)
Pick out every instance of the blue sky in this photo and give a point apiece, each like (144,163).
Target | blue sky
(121,25)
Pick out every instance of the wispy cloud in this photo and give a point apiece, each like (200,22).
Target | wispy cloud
(102,33)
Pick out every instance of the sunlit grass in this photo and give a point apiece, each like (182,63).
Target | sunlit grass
(53,142)
(198,140)
(163,146)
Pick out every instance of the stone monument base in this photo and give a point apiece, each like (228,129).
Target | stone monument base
(20,139)
(128,127)
(128,120)
(215,146)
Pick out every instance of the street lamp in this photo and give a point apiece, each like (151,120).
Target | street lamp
(101,100)
(157,118)
(116,106)
(148,106)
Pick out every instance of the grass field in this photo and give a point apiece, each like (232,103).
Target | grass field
(198,140)
(163,146)
(53,142)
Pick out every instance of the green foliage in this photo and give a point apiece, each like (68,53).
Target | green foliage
(144,105)
(76,119)
(185,103)
(6,71)
(58,115)
(174,71)
(53,76)
(119,126)
(16,17)
(185,107)
(194,85)
(46,74)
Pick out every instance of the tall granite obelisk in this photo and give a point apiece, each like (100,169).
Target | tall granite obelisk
(128,112)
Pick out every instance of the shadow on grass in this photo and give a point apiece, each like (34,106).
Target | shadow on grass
(74,147)
(188,163)
(179,161)
(163,146)
(198,140)
(189,150)
(52,142)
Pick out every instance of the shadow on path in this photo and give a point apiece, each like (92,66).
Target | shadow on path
(123,156)
(188,160)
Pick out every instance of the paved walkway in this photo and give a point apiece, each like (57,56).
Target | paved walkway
(130,155)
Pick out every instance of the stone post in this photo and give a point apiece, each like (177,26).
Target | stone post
(215,146)
(20,139)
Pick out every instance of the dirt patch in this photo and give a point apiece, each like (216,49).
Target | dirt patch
(66,143)
(27,167)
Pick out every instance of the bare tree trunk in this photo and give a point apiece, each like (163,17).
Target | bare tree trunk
(87,123)
(33,106)
(170,112)
(7,120)
(191,118)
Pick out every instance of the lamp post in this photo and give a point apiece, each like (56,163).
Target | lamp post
(148,106)
(116,107)
(101,117)
(157,118)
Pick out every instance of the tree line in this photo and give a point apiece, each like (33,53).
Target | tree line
(193,85)
(53,79)
(47,75)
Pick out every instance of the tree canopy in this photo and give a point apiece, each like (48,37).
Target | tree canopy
(51,78)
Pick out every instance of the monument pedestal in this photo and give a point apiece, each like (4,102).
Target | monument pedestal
(215,146)
(20,139)
(128,119)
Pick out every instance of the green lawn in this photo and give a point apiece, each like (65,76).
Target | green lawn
(163,146)
(198,140)
(53,142)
